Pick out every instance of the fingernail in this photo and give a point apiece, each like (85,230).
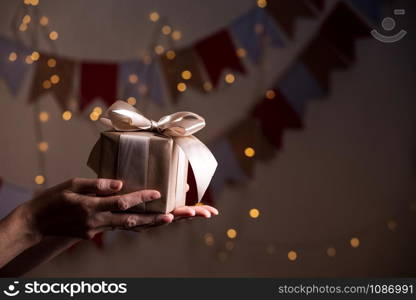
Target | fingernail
(155,195)
(193,212)
(115,185)
(164,218)
(208,215)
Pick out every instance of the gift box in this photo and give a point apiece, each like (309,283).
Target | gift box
(145,154)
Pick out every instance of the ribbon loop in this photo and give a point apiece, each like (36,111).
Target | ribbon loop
(180,126)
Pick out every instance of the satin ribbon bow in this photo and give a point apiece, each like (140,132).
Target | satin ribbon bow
(180,126)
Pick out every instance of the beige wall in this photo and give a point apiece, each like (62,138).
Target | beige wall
(345,175)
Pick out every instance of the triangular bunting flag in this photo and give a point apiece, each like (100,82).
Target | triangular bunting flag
(251,28)
(55,75)
(218,53)
(287,12)
(321,58)
(275,115)
(141,80)
(342,28)
(98,80)
(298,85)
(183,68)
(13,66)
(249,145)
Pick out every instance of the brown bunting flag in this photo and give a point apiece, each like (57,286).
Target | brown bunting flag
(287,12)
(55,75)
(342,28)
(182,68)
(249,145)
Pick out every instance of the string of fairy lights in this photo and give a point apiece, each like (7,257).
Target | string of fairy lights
(31,18)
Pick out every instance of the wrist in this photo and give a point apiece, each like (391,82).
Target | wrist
(25,224)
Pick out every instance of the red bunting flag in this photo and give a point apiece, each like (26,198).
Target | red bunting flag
(98,80)
(218,53)
(276,115)
(321,58)
(342,28)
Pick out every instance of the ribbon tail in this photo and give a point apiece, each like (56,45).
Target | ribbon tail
(202,161)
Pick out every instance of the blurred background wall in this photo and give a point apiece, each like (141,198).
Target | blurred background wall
(349,173)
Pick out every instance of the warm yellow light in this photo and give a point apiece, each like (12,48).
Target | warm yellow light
(44,21)
(241,52)
(12,56)
(53,35)
(355,242)
(147,59)
(133,78)
(181,87)
(207,86)
(35,55)
(94,116)
(186,74)
(46,84)
(166,30)
(34,2)
(142,89)
(23,27)
(97,110)
(270,94)
(159,49)
(259,28)
(209,239)
(55,79)
(43,146)
(331,251)
(39,179)
(262,3)
(27,2)
(231,233)
(131,101)
(154,16)
(43,116)
(29,60)
(26,19)
(170,54)
(229,245)
(176,35)
(254,213)
(229,78)
(392,225)
(67,115)
(292,255)
(249,152)
(51,62)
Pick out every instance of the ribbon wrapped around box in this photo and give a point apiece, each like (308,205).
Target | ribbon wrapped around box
(146,154)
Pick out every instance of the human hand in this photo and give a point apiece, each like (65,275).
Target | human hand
(83,207)
(185,212)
